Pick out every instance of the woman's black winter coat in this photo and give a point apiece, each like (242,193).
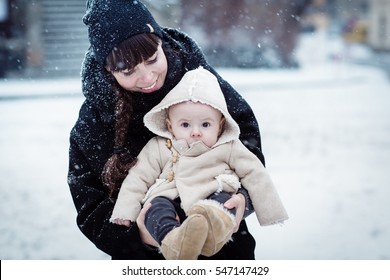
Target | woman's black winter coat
(92,141)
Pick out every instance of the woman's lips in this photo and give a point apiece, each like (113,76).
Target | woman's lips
(150,87)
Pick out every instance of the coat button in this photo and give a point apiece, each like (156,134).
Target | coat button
(171,175)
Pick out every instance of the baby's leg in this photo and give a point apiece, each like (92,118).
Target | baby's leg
(221,221)
(161,218)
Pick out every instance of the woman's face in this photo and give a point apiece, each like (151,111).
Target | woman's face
(145,77)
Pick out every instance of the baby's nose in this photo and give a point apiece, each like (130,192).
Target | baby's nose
(196,132)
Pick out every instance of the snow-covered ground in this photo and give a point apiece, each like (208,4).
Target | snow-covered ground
(326,137)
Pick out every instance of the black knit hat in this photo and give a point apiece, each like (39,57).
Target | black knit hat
(112,21)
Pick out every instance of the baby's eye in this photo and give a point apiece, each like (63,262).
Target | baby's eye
(185,124)
(206,124)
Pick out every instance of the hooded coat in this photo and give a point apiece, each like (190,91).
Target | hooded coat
(92,142)
(171,168)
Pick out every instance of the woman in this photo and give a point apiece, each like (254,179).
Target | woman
(131,65)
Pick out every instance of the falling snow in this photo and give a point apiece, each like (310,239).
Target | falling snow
(326,137)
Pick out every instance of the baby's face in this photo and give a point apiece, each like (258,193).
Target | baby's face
(194,121)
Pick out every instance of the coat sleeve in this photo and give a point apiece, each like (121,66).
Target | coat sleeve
(265,198)
(243,114)
(137,182)
(87,155)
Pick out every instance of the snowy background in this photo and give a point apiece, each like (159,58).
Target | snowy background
(326,137)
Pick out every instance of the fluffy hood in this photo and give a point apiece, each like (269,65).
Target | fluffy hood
(197,85)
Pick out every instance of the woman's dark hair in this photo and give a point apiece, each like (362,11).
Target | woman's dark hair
(126,55)
(132,51)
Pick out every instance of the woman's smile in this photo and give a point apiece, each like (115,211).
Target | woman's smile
(150,88)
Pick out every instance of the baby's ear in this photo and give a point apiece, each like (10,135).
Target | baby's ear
(169,125)
(221,125)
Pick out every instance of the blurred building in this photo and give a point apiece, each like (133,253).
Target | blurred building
(379,24)
(64,38)
(41,38)
(48,37)
(245,33)
(11,37)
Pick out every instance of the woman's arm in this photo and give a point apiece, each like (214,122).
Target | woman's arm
(89,150)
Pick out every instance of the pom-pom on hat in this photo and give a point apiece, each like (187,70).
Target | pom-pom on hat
(110,22)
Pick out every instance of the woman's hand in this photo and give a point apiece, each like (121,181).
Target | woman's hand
(237,201)
(143,232)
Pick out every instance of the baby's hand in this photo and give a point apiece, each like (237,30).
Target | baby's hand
(122,222)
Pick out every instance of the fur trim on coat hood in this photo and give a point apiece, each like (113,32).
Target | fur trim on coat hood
(197,85)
